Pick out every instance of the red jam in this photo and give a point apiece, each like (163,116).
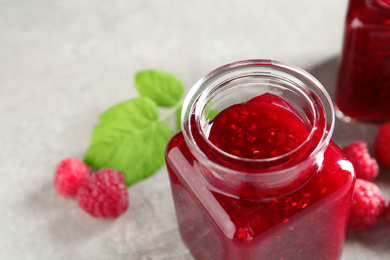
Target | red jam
(253,129)
(305,221)
(363,87)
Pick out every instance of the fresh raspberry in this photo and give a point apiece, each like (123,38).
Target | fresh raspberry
(70,174)
(382,145)
(366,167)
(368,205)
(104,195)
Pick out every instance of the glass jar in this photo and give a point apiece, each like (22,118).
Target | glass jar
(363,86)
(285,204)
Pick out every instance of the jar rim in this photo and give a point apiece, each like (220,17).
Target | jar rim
(311,85)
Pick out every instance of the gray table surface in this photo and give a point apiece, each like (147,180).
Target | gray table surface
(62,63)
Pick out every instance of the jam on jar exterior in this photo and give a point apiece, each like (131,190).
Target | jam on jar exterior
(293,201)
(363,86)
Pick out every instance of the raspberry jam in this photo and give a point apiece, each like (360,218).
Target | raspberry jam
(363,87)
(258,128)
(254,174)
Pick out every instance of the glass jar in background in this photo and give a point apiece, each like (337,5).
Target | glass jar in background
(363,86)
(254,173)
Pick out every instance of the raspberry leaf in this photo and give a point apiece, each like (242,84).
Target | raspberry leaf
(212,114)
(162,87)
(129,138)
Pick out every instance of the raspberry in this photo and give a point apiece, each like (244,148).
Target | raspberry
(104,195)
(366,167)
(368,206)
(382,144)
(70,174)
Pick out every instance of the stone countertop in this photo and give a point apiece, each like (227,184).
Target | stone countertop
(62,63)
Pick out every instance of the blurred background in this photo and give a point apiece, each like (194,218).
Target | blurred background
(62,63)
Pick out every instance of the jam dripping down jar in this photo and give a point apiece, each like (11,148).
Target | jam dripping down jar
(363,84)
(254,173)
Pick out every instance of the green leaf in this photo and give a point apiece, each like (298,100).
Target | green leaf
(129,138)
(162,87)
(212,114)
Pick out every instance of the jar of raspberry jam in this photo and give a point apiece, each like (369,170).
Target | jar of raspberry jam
(254,173)
(363,86)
